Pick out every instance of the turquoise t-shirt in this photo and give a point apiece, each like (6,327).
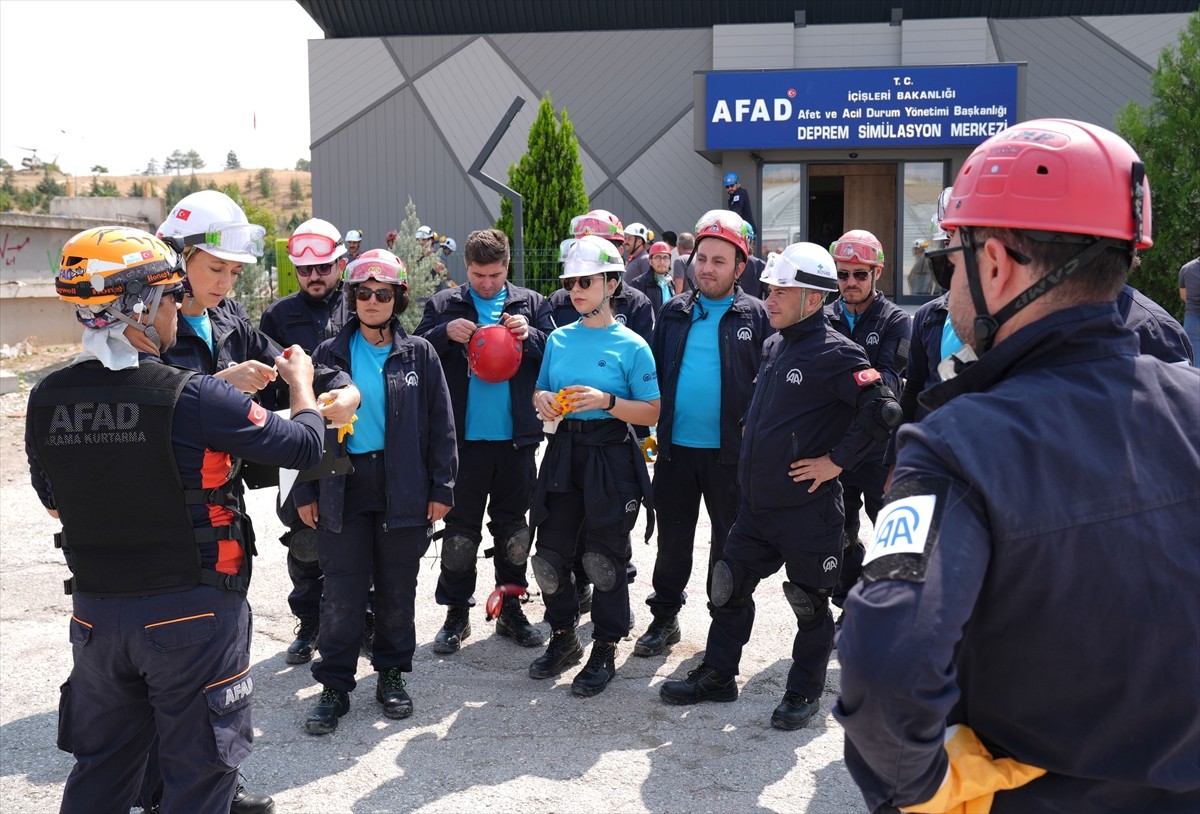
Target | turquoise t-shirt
(489,406)
(202,326)
(366,369)
(950,340)
(697,420)
(664,285)
(851,319)
(613,360)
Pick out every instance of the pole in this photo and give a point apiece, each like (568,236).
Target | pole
(476,171)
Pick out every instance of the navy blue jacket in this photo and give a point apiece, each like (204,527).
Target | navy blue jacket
(750,280)
(1159,334)
(420,451)
(457,303)
(1061,461)
(803,405)
(739,202)
(924,354)
(630,307)
(882,331)
(648,284)
(741,333)
(298,319)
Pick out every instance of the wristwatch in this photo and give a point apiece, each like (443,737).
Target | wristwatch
(612,402)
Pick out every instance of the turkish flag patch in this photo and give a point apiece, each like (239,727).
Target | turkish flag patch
(147,255)
(183,214)
(258,415)
(865,377)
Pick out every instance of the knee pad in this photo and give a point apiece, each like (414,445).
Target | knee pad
(809,604)
(722,584)
(302,543)
(601,570)
(458,553)
(516,547)
(547,573)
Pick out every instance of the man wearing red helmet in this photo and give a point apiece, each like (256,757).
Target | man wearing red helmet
(656,283)
(1041,521)
(882,329)
(497,436)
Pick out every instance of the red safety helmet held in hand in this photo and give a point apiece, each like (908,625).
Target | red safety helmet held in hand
(1054,175)
(494,354)
(495,602)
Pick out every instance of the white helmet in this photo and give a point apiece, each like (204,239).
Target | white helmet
(801,265)
(588,255)
(943,201)
(315,243)
(449,244)
(212,221)
(354,236)
(424,233)
(639,230)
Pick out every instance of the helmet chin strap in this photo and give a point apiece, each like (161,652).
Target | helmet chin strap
(139,309)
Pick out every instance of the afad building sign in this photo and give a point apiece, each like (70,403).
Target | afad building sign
(859,107)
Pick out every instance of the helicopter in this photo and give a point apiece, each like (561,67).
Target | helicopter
(32,162)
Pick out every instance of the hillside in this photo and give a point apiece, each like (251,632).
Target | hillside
(280,201)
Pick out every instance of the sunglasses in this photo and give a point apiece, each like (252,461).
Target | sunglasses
(324,270)
(585,283)
(861,276)
(942,266)
(383,295)
(177,293)
(730,186)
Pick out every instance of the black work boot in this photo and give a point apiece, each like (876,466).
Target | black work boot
(302,650)
(600,669)
(323,718)
(456,628)
(663,630)
(247,802)
(513,623)
(563,651)
(702,684)
(583,594)
(794,711)
(368,637)
(390,692)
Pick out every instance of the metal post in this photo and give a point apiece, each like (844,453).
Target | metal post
(476,171)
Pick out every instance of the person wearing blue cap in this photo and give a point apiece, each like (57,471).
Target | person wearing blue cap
(739,199)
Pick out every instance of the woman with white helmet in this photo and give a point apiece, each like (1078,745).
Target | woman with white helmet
(374,525)
(593,477)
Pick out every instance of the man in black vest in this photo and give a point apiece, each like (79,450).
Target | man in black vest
(123,450)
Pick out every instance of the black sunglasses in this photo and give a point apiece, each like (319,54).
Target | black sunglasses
(585,283)
(325,269)
(861,276)
(384,295)
(730,186)
(177,293)
(942,266)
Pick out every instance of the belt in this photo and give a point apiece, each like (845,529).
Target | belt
(575,425)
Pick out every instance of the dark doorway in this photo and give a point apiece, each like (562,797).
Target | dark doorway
(826,208)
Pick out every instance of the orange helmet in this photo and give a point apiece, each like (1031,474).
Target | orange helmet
(104,265)
(494,354)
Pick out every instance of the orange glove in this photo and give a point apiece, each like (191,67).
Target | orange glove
(346,429)
(973,776)
(650,448)
(564,401)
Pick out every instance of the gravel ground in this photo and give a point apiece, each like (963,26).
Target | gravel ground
(484,736)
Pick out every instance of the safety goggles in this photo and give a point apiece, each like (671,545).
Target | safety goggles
(322,270)
(590,225)
(383,295)
(860,276)
(781,271)
(856,251)
(315,245)
(722,220)
(238,238)
(568,283)
(580,251)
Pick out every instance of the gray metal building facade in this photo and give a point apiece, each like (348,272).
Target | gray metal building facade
(394,118)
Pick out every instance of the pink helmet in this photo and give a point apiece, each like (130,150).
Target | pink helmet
(377,264)
(858,246)
(599,222)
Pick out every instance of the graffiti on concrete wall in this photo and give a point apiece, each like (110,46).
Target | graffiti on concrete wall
(11,246)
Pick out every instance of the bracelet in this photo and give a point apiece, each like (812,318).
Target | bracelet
(612,402)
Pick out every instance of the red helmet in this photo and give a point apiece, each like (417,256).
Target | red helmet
(660,248)
(599,222)
(494,354)
(858,246)
(1054,175)
(391,235)
(726,225)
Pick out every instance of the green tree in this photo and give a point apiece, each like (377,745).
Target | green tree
(103,189)
(194,160)
(297,191)
(5,166)
(421,282)
(151,168)
(1166,134)
(176,191)
(177,161)
(231,161)
(266,182)
(550,180)
(100,169)
(303,165)
(135,190)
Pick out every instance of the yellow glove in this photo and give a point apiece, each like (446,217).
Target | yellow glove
(347,429)
(973,776)
(649,448)
(563,400)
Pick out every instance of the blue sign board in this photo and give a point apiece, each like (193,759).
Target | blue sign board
(859,107)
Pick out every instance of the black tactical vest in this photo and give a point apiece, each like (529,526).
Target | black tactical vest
(103,438)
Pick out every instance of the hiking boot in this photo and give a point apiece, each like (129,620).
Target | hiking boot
(563,651)
(583,593)
(302,650)
(702,684)
(513,623)
(323,718)
(663,630)
(456,628)
(368,637)
(247,802)
(390,692)
(794,711)
(600,669)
